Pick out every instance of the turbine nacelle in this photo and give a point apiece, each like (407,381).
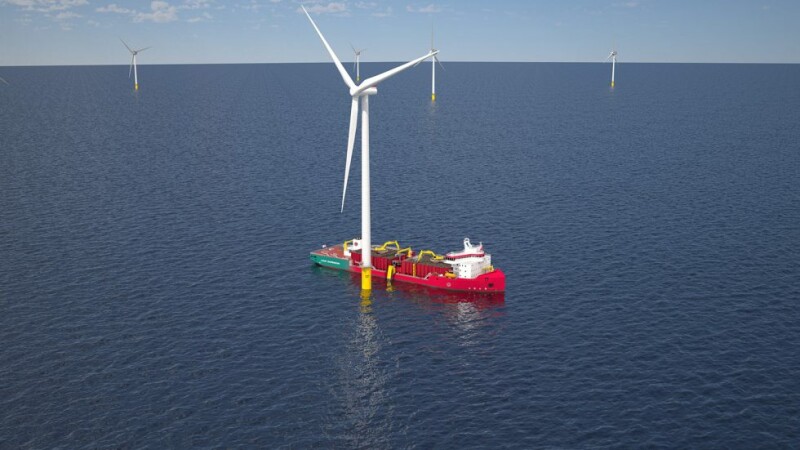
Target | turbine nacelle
(354,92)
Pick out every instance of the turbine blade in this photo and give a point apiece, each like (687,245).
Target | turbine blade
(126,45)
(4,81)
(354,49)
(373,81)
(351,139)
(142,49)
(345,76)
(440,63)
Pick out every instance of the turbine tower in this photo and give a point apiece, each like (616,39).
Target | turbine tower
(361,92)
(133,64)
(434,61)
(613,57)
(357,63)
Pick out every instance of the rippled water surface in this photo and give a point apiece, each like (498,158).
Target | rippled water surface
(155,287)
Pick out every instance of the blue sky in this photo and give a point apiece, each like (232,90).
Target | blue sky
(64,32)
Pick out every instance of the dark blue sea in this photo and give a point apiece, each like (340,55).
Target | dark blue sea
(156,291)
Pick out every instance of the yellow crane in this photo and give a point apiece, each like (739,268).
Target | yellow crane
(433,255)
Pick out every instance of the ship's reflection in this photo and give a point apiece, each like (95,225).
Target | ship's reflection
(470,314)
(363,382)
(365,406)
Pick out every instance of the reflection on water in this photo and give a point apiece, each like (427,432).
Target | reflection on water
(468,312)
(373,356)
(363,380)
(432,108)
(466,315)
(470,315)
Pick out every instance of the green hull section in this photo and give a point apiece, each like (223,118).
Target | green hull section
(328,261)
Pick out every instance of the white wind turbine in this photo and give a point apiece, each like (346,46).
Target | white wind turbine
(133,64)
(613,57)
(357,63)
(434,61)
(362,92)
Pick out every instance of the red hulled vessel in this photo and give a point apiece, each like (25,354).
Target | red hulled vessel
(467,270)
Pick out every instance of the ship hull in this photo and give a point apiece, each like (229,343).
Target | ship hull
(490,282)
(330,262)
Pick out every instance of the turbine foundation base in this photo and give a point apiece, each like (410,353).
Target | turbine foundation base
(366,278)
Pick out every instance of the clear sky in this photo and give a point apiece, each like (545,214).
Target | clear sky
(65,32)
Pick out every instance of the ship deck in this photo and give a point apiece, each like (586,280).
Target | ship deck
(337,251)
(389,253)
(334,251)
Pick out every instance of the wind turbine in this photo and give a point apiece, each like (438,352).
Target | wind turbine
(133,64)
(357,64)
(434,61)
(362,92)
(613,57)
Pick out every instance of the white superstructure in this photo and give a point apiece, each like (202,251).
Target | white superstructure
(470,262)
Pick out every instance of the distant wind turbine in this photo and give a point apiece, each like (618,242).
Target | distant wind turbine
(613,57)
(434,61)
(357,63)
(133,64)
(362,92)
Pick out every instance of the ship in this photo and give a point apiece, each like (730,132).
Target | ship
(469,269)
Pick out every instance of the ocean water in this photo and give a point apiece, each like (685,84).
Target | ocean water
(155,287)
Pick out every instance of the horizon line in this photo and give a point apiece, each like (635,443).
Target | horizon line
(400,62)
